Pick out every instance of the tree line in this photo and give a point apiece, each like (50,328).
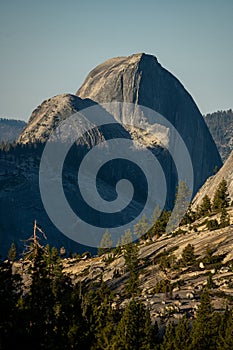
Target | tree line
(43,308)
(221,201)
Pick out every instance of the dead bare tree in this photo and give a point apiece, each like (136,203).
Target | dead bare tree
(31,250)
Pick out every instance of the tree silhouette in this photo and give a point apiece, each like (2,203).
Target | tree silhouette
(169,337)
(205,206)
(183,197)
(10,293)
(132,264)
(188,257)
(141,228)
(134,331)
(221,197)
(106,243)
(12,252)
(224,218)
(203,335)
(182,334)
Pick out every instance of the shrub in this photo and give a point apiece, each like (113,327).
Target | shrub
(212,224)
(188,256)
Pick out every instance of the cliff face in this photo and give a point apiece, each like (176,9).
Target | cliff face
(142,80)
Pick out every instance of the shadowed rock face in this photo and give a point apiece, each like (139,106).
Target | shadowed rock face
(142,80)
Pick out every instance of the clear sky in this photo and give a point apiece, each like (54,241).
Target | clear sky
(48,47)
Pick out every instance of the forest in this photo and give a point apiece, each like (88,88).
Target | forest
(42,308)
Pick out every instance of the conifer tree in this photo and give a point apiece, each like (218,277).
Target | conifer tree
(134,331)
(141,228)
(10,292)
(155,216)
(210,283)
(212,224)
(190,216)
(160,226)
(40,302)
(205,206)
(106,243)
(203,335)
(71,328)
(132,264)
(183,197)
(101,318)
(224,218)
(168,342)
(12,252)
(221,196)
(182,335)
(188,256)
(126,238)
(225,335)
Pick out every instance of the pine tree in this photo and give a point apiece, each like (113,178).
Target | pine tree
(49,309)
(141,228)
(221,196)
(132,263)
(205,328)
(183,197)
(71,327)
(225,336)
(160,226)
(212,224)
(208,255)
(10,292)
(205,309)
(106,243)
(169,337)
(135,330)
(12,252)
(125,239)
(210,283)
(182,335)
(189,217)
(224,218)
(155,216)
(205,206)
(40,302)
(188,257)
(101,318)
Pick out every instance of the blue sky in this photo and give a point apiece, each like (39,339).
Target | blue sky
(48,47)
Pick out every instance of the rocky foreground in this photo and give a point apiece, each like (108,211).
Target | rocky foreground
(166,287)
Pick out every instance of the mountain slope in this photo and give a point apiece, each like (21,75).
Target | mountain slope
(21,204)
(220,125)
(211,185)
(47,116)
(160,265)
(10,129)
